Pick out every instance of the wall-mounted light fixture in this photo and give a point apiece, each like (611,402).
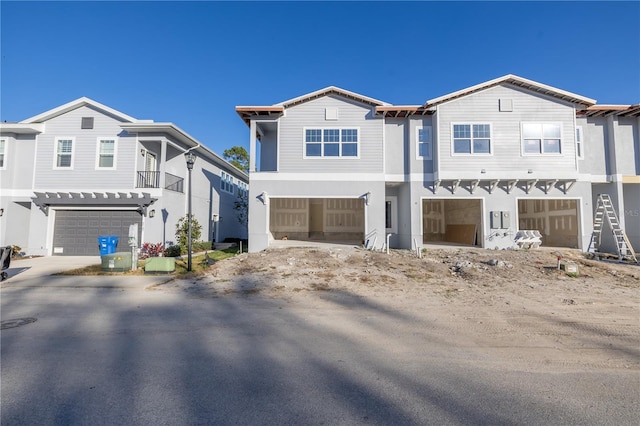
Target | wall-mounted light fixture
(530,171)
(152,213)
(1,212)
(143,151)
(483,171)
(367,198)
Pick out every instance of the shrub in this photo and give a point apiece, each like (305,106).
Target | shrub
(172,251)
(151,250)
(182,230)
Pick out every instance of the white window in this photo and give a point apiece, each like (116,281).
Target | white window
(471,138)
(106,153)
(243,189)
(423,138)
(541,138)
(579,143)
(3,153)
(226,182)
(331,143)
(64,153)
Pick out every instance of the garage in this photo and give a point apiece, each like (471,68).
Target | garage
(556,220)
(317,219)
(452,221)
(76,231)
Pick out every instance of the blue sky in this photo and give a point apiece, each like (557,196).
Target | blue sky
(191,63)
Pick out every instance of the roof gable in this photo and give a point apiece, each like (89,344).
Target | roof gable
(331,90)
(515,81)
(78,103)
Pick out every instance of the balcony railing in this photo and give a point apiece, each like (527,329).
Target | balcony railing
(173,182)
(152,180)
(148,180)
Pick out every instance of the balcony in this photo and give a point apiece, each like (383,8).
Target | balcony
(152,180)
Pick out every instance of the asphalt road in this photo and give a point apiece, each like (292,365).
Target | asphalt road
(103,353)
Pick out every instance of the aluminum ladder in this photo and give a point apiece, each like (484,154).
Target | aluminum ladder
(605,210)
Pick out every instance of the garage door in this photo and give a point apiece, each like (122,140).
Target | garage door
(76,231)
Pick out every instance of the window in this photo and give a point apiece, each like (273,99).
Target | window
(390,214)
(64,153)
(3,152)
(472,139)
(541,138)
(579,143)
(243,190)
(106,153)
(423,139)
(331,143)
(226,182)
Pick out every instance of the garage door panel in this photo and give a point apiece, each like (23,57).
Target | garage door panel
(76,231)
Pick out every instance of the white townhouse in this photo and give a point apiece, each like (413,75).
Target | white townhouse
(83,170)
(472,167)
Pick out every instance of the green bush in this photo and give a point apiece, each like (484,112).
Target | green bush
(172,251)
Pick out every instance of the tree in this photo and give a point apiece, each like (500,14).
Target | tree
(182,230)
(238,156)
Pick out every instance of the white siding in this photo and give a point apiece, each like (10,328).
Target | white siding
(312,114)
(506,158)
(84,174)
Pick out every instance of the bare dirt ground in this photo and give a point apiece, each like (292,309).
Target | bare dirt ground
(513,303)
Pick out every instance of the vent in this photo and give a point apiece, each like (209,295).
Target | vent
(506,105)
(331,113)
(87,123)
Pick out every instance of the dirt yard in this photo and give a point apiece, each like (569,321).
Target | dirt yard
(514,303)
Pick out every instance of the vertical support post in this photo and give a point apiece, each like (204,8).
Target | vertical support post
(191,159)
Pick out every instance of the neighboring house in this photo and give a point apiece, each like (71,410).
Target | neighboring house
(472,167)
(83,169)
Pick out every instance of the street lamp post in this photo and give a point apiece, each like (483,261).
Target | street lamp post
(191,159)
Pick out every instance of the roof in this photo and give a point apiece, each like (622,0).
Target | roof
(21,128)
(331,90)
(516,81)
(606,110)
(181,136)
(246,112)
(402,110)
(78,103)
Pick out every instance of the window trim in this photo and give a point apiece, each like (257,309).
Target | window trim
(322,143)
(5,147)
(541,153)
(229,181)
(55,152)
(471,138)
(430,154)
(579,143)
(115,152)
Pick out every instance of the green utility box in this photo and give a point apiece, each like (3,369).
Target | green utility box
(160,264)
(116,262)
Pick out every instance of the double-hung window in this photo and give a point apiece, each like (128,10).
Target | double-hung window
(3,153)
(64,153)
(226,182)
(331,143)
(423,138)
(471,138)
(541,138)
(106,153)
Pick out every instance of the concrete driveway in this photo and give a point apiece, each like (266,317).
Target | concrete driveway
(40,272)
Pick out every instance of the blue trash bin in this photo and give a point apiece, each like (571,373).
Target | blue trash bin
(107,244)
